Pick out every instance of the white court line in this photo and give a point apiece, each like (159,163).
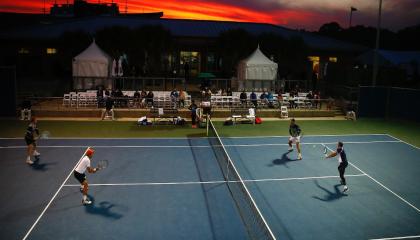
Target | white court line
(209,182)
(326,135)
(380,184)
(278,136)
(52,199)
(406,237)
(198,146)
(403,141)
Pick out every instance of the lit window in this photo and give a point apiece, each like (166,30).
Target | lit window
(313,58)
(23,51)
(332,59)
(51,50)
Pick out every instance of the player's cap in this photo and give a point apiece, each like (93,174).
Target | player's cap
(90,152)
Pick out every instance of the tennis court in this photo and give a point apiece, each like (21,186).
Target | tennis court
(186,188)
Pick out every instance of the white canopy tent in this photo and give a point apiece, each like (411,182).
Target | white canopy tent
(91,67)
(257,71)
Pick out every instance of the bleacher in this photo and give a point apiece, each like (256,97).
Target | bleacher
(89,99)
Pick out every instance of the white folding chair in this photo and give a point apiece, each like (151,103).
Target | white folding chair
(251,115)
(284,113)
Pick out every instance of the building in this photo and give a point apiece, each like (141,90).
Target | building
(34,49)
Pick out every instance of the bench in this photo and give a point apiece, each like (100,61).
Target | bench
(243,114)
(164,115)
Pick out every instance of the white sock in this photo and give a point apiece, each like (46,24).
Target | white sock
(28,158)
(36,153)
(84,197)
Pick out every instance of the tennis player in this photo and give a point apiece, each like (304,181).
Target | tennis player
(294,132)
(31,141)
(342,163)
(79,174)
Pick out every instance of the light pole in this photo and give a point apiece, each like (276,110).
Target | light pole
(352,9)
(375,54)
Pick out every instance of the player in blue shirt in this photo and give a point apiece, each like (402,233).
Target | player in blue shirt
(294,132)
(342,163)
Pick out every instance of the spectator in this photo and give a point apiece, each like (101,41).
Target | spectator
(270,99)
(143,96)
(193,109)
(263,98)
(182,98)
(228,92)
(174,97)
(317,97)
(243,97)
(25,112)
(137,98)
(310,99)
(253,98)
(109,105)
(207,95)
(292,100)
(149,99)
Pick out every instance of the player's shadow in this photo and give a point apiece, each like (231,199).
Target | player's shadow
(104,208)
(284,160)
(330,195)
(37,166)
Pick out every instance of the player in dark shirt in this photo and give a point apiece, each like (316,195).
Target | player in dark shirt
(31,141)
(342,163)
(294,132)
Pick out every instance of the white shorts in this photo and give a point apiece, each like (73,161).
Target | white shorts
(295,139)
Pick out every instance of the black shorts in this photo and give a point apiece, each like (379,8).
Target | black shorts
(81,177)
(30,140)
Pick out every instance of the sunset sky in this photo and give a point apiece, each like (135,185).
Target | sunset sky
(301,14)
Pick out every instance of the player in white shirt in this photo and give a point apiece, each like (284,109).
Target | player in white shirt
(79,173)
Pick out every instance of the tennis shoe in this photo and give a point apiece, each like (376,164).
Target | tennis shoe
(86,202)
(29,161)
(345,189)
(299,156)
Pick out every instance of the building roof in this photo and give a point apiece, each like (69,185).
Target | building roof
(390,58)
(178,28)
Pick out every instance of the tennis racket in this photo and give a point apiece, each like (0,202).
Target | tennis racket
(324,150)
(102,164)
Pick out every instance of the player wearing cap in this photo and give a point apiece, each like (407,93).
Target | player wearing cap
(79,173)
(294,132)
(342,163)
(31,142)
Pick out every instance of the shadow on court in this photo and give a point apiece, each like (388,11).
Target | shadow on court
(104,209)
(329,195)
(284,160)
(37,166)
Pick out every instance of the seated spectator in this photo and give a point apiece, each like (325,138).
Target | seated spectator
(243,97)
(253,98)
(292,100)
(270,99)
(182,97)
(263,98)
(149,98)
(174,97)
(228,92)
(137,98)
(25,112)
(207,95)
(317,101)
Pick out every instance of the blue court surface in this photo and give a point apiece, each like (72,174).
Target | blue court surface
(175,189)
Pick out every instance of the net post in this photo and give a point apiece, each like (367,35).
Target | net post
(207,125)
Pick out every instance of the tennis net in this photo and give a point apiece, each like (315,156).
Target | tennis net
(255,223)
